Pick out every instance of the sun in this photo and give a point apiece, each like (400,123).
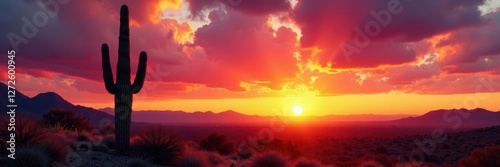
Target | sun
(297,110)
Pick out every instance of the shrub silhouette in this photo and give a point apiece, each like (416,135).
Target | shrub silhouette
(101,147)
(66,119)
(109,140)
(84,137)
(28,131)
(488,156)
(123,89)
(55,148)
(381,150)
(286,148)
(216,159)
(269,159)
(159,144)
(218,143)
(194,159)
(106,130)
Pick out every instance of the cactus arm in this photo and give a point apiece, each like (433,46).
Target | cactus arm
(141,73)
(106,69)
(123,67)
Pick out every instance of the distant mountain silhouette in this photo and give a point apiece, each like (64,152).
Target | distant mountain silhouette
(170,117)
(230,116)
(43,102)
(478,117)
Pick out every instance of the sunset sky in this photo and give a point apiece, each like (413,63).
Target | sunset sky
(265,57)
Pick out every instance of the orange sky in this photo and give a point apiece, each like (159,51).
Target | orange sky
(266,57)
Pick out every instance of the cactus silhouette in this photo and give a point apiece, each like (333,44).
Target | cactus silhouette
(123,90)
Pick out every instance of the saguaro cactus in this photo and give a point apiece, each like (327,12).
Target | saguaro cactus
(123,90)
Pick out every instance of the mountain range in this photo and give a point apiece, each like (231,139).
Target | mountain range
(231,116)
(454,118)
(38,105)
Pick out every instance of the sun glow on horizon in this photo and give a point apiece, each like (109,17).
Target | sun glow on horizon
(297,110)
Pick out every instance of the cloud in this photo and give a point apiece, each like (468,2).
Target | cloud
(362,32)
(248,49)
(238,50)
(473,49)
(254,7)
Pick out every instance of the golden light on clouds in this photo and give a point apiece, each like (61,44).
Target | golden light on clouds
(162,6)
(170,4)
(183,32)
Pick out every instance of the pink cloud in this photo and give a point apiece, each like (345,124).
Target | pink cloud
(254,7)
(376,32)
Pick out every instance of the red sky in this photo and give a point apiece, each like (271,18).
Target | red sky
(267,56)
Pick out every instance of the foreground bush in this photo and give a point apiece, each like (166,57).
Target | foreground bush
(218,143)
(269,159)
(28,131)
(194,159)
(285,148)
(488,156)
(109,140)
(158,144)
(66,119)
(55,148)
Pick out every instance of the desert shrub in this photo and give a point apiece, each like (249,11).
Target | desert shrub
(381,150)
(107,129)
(432,159)
(216,159)
(218,143)
(488,156)
(270,159)
(307,163)
(84,146)
(84,137)
(109,140)
(194,159)
(57,128)
(137,162)
(72,144)
(27,131)
(287,148)
(159,144)
(55,148)
(67,119)
(101,147)
(29,157)
(247,152)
